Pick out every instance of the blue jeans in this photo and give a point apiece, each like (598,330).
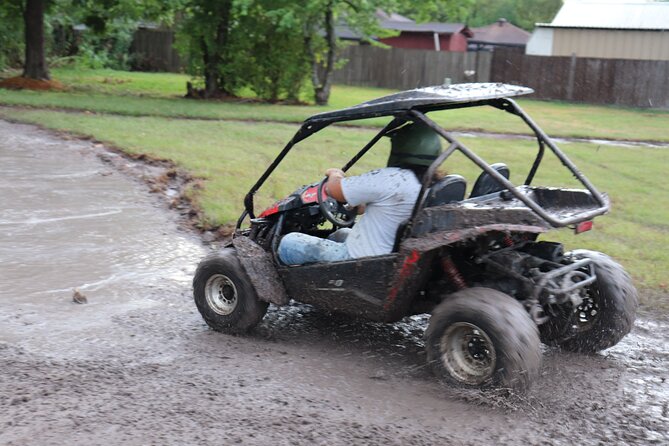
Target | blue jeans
(297,248)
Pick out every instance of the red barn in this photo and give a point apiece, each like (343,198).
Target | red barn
(427,36)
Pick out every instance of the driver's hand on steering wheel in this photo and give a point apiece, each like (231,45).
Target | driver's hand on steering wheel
(333,185)
(334,172)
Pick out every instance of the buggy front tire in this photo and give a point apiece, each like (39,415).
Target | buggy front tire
(224,295)
(608,309)
(480,337)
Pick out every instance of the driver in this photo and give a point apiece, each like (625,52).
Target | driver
(387,196)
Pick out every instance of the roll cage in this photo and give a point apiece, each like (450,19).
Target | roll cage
(412,106)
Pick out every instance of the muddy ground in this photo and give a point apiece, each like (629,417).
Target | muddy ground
(137,365)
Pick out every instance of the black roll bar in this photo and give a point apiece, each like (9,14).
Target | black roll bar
(603,205)
(305,131)
(505,104)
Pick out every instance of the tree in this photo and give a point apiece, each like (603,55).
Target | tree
(321,80)
(110,27)
(322,16)
(275,61)
(34,66)
(437,10)
(319,19)
(530,12)
(206,31)
(11,34)
(522,13)
(266,45)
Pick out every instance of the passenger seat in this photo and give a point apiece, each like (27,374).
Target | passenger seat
(486,184)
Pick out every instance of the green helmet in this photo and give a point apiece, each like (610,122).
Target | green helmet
(414,144)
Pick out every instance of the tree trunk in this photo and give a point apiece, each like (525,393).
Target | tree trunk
(210,71)
(215,56)
(322,88)
(35,63)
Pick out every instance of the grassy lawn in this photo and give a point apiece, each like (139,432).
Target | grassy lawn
(230,156)
(158,94)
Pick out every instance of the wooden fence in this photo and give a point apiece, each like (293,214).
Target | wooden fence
(153,51)
(637,83)
(404,69)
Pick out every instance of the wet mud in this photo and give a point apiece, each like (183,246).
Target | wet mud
(136,365)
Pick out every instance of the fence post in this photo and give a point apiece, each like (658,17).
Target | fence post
(570,79)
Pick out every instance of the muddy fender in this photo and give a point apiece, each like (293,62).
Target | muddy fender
(259,266)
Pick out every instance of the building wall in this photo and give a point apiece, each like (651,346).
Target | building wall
(540,43)
(457,42)
(425,41)
(611,44)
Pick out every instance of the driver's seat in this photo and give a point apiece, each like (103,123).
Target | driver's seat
(449,189)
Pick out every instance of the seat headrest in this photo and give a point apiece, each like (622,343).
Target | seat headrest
(447,190)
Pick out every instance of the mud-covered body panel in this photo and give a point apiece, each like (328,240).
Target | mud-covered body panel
(502,208)
(259,266)
(442,239)
(356,287)
(377,288)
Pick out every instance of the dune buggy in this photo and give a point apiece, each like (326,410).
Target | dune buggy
(494,291)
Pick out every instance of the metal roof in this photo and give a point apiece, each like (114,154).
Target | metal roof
(636,15)
(423,99)
(500,32)
(402,24)
(439,28)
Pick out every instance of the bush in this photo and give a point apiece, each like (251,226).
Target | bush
(279,65)
(11,36)
(256,48)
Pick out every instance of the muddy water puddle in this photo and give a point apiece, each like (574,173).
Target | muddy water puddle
(70,221)
(620,395)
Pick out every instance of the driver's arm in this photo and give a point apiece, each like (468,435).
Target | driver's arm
(333,186)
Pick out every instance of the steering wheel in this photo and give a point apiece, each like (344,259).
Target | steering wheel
(335,212)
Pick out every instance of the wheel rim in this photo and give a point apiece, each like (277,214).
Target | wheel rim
(467,353)
(221,294)
(586,314)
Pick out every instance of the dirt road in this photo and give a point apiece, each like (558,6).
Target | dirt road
(136,365)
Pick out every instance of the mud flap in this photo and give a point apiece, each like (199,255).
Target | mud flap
(259,266)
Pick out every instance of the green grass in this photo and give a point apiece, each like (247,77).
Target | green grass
(230,156)
(122,82)
(158,94)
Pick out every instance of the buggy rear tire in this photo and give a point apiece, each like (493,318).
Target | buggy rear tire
(224,295)
(614,301)
(482,337)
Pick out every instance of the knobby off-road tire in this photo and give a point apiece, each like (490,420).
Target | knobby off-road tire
(481,337)
(224,294)
(614,301)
